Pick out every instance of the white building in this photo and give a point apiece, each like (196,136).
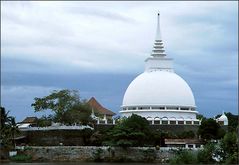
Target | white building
(159,94)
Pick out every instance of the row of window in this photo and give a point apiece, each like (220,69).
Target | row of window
(172,122)
(160,107)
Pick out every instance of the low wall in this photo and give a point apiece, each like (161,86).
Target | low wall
(93,153)
(55,137)
(82,137)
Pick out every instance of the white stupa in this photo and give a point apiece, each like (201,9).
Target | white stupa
(222,120)
(159,94)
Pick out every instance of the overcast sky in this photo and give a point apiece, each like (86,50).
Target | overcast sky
(98,48)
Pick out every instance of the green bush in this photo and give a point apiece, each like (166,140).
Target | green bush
(205,156)
(183,157)
(149,155)
(21,158)
(232,159)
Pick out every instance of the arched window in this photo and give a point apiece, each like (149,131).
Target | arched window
(189,120)
(164,120)
(180,120)
(149,118)
(156,120)
(172,120)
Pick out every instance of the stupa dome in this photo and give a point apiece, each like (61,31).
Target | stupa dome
(223,119)
(156,88)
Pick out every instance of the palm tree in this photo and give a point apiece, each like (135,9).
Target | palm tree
(8,129)
(13,130)
(5,119)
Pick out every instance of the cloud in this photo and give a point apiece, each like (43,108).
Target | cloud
(18,99)
(110,35)
(19,90)
(42,41)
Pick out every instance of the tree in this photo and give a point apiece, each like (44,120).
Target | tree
(8,129)
(65,104)
(205,156)
(5,118)
(184,157)
(209,129)
(200,117)
(232,121)
(79,113)
(132,131)
(229,145)
(186,134)
(45,121)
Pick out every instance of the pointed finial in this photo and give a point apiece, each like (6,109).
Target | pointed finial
(158,48)
(158,33)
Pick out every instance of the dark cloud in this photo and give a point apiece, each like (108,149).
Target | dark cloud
(107,88)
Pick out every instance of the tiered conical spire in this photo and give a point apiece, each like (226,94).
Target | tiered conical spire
(158,60)
(158,48)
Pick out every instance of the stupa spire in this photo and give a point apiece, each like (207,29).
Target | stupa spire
(158,48)
(158,32)
(158,59)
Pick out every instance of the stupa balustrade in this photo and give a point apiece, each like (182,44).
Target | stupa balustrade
(159,108)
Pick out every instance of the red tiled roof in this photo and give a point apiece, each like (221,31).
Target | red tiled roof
(30,120)
(93,103)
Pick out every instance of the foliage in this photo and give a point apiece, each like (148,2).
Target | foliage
(21,158)
(86,134)
(200,117)
(186,134)
(226,151)
(229,144)
(209,129)
(156,138)
(149,155)
(96,138)
(232,121)
(205,156)
(45,121)
(79,113)
(58,101)
(5,118)
(232,159)
(66,105)
(8,129)
(183,157)
(132,131)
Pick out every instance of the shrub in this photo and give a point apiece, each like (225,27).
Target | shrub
(183,157)
(232,159)
(149,155)
(21,158)
(205,156)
